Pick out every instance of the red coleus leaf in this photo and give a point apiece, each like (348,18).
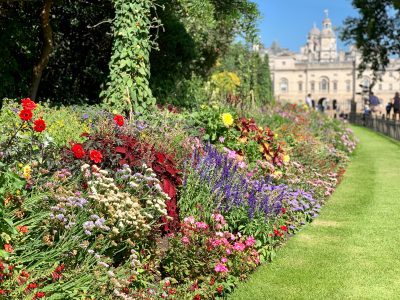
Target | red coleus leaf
(120,150)
(160,157)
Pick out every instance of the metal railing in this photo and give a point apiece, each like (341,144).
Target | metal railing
(386,126)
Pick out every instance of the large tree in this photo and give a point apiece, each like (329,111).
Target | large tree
(375,32)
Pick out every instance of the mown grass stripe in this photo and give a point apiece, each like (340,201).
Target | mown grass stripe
(352,250)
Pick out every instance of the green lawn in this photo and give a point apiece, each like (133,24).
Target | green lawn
(352,250)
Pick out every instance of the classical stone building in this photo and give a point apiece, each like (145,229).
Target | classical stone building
(324,72)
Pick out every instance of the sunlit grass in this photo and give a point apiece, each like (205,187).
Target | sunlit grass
(352,250)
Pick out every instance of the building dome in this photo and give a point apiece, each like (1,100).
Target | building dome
(314,31)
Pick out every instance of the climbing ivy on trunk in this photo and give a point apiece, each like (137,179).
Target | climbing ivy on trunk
(127,88)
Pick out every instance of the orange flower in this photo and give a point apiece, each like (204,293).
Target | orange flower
(8,248)
(22,229)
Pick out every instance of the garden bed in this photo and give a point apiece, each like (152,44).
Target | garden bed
(168,205)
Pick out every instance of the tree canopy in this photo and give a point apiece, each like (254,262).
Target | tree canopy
(75,49)
(375,32)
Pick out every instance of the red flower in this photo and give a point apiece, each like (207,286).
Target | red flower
(96,156)
(39,125)
(8,248)
(22,229)
(3,292)
(220,289)
(119,120)
(197,297)
(28,104)
(171,291)
(78,150)
(32,286)
(283,210)
(24,274)
(284,228)
(39,295)
(25,114)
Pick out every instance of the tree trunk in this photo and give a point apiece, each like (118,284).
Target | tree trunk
(46,49)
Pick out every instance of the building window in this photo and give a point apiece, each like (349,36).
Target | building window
(390,87)
(380,87)
(284,85)
(312,86)
(283,63)
(324,85)
(300,86)
(335,86)
(348,86)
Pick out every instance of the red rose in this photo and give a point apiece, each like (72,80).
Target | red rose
(28,104)
(78,150)
(8,248)
(25,114)
(119,120)
(284,228)
(96,156)
(39,125)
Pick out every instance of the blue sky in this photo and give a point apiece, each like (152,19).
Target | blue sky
(289,21)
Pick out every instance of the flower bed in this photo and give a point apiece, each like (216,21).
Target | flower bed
(174,205)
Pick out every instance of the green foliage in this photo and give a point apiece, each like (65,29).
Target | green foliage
(128,85)
(253,71)
(10,183)
(375,33)
(197,33)
(79,62)
(210,121)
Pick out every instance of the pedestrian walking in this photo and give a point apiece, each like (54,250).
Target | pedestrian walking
(396,105)
(309,101)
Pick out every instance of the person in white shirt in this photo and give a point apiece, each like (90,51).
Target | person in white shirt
(309,101)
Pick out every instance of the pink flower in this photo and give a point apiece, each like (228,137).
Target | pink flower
(189,220)
(221,268)
(239,246)
(218,227)
(201,225)
(242,165)
(219,233)
(219,218)
(185,240)
(250,241)
(215,242)
(228,251)
(224,260)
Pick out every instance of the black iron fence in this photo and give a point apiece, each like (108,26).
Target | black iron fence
(386,126)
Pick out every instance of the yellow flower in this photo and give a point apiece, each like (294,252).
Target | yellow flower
(227,119)
(203,106)
(20,165)
(286,158)
(277,174)
(27,171)
(276,135)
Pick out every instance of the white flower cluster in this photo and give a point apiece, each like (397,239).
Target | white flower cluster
(131,203)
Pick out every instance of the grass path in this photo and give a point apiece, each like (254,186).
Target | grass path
(352,250)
